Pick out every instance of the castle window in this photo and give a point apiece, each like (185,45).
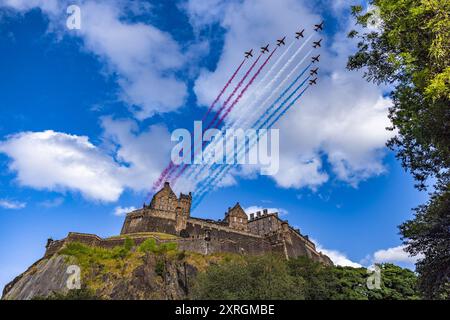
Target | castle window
(235,219)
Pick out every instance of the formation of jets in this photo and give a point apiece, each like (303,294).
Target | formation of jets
(298,35)
(281,42)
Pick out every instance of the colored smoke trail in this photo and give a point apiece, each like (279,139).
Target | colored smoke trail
(233,93)
(246,87)
(281,96)
(169,168)
(287,108)
(223,90)
(255,91)
(237,122)
(185,166)
(278,76)
(230,108)
(268,110)
(208,185)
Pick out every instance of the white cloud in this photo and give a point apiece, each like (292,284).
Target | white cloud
(48,6)
(53,203)
(341,121)
(142,154)
(121,211)
(394,255)
(12,205)
(58,161)
(338,258)
(254,209)
(143,58)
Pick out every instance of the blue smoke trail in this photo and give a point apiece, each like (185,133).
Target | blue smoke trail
(197,172)
(219,175)
(204,184)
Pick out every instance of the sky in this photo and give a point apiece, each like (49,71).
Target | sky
(86,117)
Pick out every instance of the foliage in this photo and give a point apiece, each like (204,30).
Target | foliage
(253,278)
(162,251)
(411,51)
(150,245)
(429,233)
(75,294)
(272,277)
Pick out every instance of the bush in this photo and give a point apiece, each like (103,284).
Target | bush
(75,294)
(150,245)
(160,267)
(273,277)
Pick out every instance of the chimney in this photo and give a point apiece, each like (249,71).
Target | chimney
(166,184)
(258,214)
(275,214)
(265,212)
(252,216)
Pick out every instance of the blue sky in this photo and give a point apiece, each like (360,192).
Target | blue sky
(110,94)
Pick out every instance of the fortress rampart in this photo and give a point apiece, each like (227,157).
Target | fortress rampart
(261,233)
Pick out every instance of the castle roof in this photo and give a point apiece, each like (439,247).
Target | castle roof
(236,211)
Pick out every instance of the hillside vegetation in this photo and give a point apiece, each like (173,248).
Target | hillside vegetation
(152,271)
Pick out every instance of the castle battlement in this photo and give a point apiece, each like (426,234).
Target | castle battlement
(261,233)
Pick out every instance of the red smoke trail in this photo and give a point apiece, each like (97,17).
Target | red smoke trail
(245,89)
(171,165)
(232,94)
(223,90)
(235,101)
(218,113)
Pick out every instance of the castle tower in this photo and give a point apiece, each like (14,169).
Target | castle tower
(183,211)
(184,203)
(165,199)
(237,218)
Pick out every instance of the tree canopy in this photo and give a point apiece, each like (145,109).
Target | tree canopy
(273,277)
(409,48)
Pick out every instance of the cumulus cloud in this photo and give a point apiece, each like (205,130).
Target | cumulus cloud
(338,258)
(62,162)
(142,58)
(142,154)
(58,161)
(342,127)
(12,205)
(121,211)
(394,255)
(254,209)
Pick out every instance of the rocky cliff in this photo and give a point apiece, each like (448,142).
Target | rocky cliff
(147,271)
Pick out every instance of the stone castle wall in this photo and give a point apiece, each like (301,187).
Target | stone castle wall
(170,214)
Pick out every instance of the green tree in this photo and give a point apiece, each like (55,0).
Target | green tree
(428,233)
(271,277)
(254,278)
(410,50)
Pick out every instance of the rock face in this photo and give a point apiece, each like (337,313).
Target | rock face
(41,279)
(142,281)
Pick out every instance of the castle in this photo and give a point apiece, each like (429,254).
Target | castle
(261,233)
